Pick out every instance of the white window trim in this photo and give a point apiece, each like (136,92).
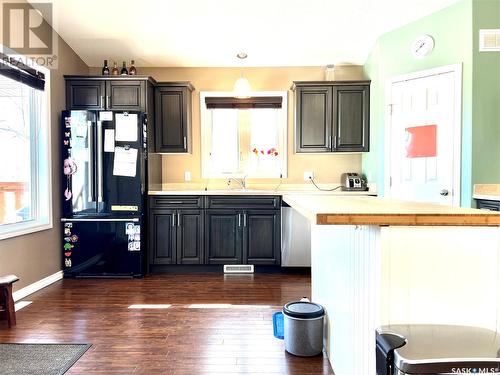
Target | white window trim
(206,136)
(44,194)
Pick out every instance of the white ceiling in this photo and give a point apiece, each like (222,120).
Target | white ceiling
(210,32)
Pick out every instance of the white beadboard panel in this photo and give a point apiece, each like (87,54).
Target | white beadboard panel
(441,275)
(346,281)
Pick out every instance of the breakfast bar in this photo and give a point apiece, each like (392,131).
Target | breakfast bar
(377,262)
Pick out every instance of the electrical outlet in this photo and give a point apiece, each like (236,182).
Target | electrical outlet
(308,175)
(187,176)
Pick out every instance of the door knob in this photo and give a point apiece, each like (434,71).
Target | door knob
(444,192)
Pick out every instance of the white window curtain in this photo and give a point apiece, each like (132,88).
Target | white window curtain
(225,146)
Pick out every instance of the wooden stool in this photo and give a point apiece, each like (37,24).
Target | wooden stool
(7,311)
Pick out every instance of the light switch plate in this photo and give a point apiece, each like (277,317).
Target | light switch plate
(187,176)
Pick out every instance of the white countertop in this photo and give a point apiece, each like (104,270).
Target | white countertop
(359,210)
(487,191)
(259,192)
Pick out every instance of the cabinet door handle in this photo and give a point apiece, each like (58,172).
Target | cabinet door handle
(173,220)
(185,143)
(102,102)
(178,219)
(244,220)
(239,220)
(108,101)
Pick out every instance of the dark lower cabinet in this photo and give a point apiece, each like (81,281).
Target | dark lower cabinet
(176,237)
(162,237)
(190,237)
(223,237)
(243,237)
(262,237)
(232,230)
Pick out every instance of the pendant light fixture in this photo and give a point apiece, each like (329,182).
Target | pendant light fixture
(242,87)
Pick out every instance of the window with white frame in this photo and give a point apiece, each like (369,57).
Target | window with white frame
(24,150)
(239,142)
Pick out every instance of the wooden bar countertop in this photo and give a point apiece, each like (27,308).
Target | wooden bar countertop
(339,210)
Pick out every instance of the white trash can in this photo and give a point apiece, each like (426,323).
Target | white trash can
(303,328)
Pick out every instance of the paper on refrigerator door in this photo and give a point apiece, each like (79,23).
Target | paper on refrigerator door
(125,162)
(126,127)
(109,140)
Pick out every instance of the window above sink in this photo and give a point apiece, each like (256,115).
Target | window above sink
(244,140)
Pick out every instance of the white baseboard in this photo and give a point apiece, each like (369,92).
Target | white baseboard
(36,286)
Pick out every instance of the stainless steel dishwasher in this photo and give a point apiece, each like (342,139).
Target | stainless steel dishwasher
(295,238)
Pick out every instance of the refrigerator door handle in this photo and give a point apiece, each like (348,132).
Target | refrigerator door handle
(90,161)
(99,163)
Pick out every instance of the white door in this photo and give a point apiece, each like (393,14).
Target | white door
(425,137)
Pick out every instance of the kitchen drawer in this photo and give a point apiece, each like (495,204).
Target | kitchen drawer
(486,204)
(239,202)
(176,201)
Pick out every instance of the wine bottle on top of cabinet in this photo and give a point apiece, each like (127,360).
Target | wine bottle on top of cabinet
(115,71)
(105,68)
(132,70)
(124,70)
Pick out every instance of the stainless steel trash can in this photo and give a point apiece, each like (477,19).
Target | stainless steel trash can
(428,349)
(303,323)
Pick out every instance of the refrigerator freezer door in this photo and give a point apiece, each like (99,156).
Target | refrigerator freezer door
(78,181)
(120,177)
(102,248)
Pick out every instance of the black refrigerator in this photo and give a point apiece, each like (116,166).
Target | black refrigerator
(104,183)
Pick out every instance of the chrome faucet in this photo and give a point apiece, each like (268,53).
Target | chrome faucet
(240,181)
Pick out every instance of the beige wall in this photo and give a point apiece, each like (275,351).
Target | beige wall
(327,168)
(34,256)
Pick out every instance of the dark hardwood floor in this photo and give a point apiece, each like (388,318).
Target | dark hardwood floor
(230,339)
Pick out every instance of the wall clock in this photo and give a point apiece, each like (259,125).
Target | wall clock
(422,46)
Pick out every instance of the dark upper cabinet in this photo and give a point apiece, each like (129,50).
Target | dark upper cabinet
(223,236)
(313,122)
(162,236)
(332,116)
(261,238)
(351,107)
(190,237)
(173,117)
(85,94)
(126,95)
(122,93)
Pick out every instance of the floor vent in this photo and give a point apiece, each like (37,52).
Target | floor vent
(489,40)
(238,268)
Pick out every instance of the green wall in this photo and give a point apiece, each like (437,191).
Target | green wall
(451,29)
(485,97)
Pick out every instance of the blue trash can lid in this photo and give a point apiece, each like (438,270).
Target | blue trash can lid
(303,310)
